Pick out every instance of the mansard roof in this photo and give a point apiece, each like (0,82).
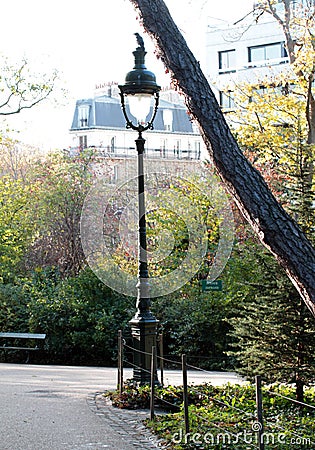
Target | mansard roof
(105,112)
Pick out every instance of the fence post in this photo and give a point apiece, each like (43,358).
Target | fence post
(260,425)
(185,395)
(120,362)
(161,358)
(153,371)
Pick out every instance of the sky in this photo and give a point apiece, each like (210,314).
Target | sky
(90,42)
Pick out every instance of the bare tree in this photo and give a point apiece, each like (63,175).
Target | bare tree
(274,227)
(17,159)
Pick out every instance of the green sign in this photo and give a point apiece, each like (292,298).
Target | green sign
(208,285)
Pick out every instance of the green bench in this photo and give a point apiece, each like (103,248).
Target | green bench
(21,341)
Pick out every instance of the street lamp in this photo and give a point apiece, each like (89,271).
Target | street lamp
(139,92)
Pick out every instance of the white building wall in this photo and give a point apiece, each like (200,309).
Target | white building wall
(240,38)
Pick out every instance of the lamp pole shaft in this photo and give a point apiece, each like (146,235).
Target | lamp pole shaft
(143,324)
(142,249)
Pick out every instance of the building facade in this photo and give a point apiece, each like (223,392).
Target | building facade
(248,51)
(99,123)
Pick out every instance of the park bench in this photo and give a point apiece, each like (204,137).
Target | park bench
(20,341)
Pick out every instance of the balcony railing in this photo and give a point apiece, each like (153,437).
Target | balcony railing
(130,152)
(255,65)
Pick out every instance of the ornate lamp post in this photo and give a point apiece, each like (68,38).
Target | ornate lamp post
(139,90)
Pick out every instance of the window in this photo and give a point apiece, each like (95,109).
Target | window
(197,149)
(82,142)
(168,119)
(267,52)
(270,90)
(177,149)
(113,144)
(227,61)
(83,116)
(163,147)
(226,100)
(189,150)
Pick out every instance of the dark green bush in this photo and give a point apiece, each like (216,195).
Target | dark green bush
(80,315)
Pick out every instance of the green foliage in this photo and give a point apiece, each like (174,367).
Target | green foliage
(39,248)
(80,316)
(272,329)
(13,307)
(194,323)
(15,226)
(186,222)
(224,416)
(271,126)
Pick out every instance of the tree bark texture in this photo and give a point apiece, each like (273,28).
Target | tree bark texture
(274,227)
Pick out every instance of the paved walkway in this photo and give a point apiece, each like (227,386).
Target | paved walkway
(61,408)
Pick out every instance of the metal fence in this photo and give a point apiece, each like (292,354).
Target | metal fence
(259,419)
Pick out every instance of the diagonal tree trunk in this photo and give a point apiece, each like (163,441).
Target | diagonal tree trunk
(274,227)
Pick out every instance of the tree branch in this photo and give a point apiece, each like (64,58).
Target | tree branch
(19,91)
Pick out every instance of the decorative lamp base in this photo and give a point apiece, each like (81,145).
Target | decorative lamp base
(144,332)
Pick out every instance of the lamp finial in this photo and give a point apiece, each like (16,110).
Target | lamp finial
(140,42)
